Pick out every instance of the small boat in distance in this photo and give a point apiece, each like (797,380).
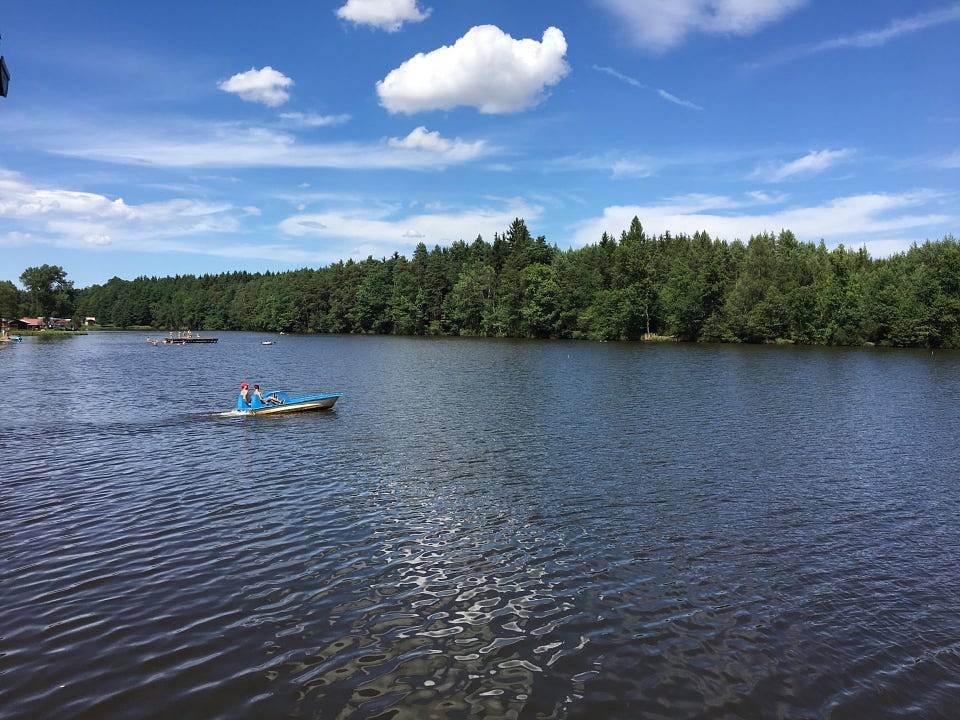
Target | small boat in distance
(290,403)
(266,342)
(187,338)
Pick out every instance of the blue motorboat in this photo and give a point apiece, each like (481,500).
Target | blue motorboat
(288,403)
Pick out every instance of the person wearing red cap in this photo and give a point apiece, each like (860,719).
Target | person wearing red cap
(245,393)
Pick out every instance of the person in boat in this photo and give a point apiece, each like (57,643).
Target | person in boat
(245,394)
(268,400)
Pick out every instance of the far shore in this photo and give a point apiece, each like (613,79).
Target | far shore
(646,338)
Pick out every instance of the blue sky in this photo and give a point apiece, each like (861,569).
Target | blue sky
(202,137)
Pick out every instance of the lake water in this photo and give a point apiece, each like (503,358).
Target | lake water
(481,529)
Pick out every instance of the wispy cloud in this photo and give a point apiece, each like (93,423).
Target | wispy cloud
(303,196)
(698,202)
(232,145)
(949,162)
(660,25)
(15,238)
(344,227)
(618,164)
(84,219)
(668,96)
(761,197)
(813,163)
(624,163)
(871,219)
(620,76)
(896,28)
(356,232)
(870,38)
(312,120)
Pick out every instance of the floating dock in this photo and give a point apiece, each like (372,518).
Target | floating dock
(185,338)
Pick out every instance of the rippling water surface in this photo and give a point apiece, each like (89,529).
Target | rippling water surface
(481,529)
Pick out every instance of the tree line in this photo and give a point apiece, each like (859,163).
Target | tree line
(48,294)
(691,287)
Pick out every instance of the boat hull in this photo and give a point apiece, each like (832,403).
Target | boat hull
(290,405)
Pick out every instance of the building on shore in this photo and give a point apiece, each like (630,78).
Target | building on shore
(27,323)
(42,323)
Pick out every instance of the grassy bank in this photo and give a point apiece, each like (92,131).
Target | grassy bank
(47,333)
(112,328)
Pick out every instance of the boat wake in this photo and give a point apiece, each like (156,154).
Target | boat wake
(228,413)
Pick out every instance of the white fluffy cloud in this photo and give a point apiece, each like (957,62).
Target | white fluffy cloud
(422,139)
(389,15)
(266,85)
(359,232)
(871,219)
(812,163)
(662,24)
(486,69)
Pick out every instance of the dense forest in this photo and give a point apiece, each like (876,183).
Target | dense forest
(691,287)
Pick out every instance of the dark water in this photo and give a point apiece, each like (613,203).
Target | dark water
(481,529)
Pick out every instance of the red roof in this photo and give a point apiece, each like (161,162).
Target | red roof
(32,321)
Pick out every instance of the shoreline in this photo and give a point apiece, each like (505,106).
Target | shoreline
(48,333)
(654,339)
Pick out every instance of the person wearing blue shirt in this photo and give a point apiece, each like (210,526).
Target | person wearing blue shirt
(268,400)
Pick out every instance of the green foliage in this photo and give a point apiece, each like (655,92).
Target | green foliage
(9,300)
(49,293)
(469,306)
(770,289)
(541,301)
